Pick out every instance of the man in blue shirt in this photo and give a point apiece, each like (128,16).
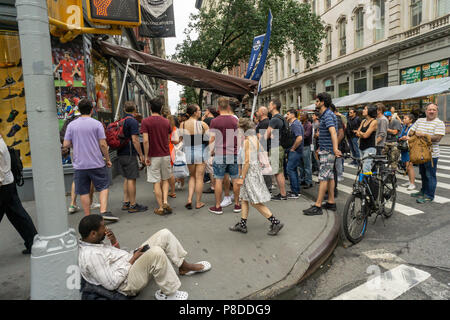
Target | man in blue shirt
(295,153)
(328,151)
(128,163)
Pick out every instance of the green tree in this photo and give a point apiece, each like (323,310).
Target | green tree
(190,95)
(226,30)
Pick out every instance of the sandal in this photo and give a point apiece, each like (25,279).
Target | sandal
(188,206)
(178,295)
(173,195)
(159,212)
(201,206)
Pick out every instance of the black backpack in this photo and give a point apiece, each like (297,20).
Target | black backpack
(16,166)
(287,137)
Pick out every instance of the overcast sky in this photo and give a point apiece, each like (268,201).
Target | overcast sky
(182,10)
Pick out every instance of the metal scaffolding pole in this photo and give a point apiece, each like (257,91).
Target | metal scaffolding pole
(54,258)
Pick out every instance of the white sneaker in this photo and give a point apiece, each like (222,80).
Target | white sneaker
(411,187)
(406,184)
(95,205)
(340,179)
(226,202)
(73,209)
(232,197)
(178,295)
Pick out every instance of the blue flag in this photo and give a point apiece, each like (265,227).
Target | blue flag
(260,68)
(256,48)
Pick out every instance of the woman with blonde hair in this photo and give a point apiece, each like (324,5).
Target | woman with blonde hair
(253,189)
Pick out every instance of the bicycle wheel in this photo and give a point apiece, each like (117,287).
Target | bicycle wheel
(390,195)
(354,220)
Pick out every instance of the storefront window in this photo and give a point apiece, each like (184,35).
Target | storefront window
(344,89)
(329,87)
(380,76)
(13,114)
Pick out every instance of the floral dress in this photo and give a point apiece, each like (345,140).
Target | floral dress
(254,189)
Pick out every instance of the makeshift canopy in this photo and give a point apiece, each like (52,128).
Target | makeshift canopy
(394,93)
(180,73)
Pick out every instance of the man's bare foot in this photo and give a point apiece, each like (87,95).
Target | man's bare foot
(199,205)
(186,267)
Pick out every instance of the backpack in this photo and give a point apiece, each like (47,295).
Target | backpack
(16,166)
(115,137)
(419,149)
(287,137)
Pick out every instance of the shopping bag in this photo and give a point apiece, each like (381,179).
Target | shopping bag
(180,169)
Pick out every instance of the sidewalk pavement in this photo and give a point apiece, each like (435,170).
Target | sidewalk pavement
(244,266)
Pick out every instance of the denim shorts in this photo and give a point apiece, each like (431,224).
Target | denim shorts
(83,178)
(195,154)
(221,167)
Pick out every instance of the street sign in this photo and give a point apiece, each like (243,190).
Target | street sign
(120,12)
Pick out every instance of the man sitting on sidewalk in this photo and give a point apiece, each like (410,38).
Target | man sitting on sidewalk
(129,273)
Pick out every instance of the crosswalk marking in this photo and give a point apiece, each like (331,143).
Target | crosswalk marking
(387,286)
(408,211)
(439,184)
(437,199)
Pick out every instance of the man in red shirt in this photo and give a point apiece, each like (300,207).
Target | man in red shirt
(156,131)
(67,69)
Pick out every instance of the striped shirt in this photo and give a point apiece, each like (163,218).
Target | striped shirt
(105,265)
(327,120)
(432,128)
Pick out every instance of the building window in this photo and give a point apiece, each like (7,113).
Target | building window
(328,44)
(282,68)
(289,61)
(360,81)
(312,91)
(380,7)
(359,29)
(342,38)
(380,76)
(329,87)
(313,6)
(416,12)
(327,4)
(276,70)
(443,7)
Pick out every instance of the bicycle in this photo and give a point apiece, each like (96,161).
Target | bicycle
(373,193)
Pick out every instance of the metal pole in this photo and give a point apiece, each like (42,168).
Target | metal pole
(54,257)
(255,98)
(121,90)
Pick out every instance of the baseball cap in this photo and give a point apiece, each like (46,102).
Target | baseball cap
(388,113)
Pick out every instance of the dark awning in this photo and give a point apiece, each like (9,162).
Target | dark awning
(181,73)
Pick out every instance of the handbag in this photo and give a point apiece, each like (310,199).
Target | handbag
(403,145)
(264,162)
(180,169)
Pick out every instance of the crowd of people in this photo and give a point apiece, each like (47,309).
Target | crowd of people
(241,158)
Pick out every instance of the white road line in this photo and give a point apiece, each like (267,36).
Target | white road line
(431,287)
(437,199)
(407,211)
(441,160)
(387,286)
(439,184)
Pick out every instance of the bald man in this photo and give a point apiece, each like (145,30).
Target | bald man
(261,128)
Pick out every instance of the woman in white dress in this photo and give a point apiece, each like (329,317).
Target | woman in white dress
(253,188)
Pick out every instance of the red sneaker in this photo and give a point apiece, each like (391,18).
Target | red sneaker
(237,208)
(216,210)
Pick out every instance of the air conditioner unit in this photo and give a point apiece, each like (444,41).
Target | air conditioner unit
(295,70)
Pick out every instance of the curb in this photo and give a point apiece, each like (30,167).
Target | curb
(307,263)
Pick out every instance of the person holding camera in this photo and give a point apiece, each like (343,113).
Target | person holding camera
(129,272)
(408,120)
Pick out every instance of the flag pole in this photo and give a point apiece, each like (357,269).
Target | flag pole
(255,98)
(121,89)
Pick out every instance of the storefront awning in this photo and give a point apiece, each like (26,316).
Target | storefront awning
(180,73)
(396,93)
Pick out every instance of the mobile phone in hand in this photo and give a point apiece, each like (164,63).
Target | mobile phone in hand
(144,248)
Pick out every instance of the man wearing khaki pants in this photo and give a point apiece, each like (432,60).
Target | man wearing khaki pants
(156,131)
(129,273)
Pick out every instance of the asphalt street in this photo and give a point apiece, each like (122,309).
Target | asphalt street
(401,258)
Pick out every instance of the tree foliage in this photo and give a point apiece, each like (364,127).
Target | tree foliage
(190,95)
(226,30)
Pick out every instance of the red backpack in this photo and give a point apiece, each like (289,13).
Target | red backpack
(114,134)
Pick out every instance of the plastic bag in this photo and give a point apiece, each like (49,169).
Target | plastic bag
(180,169)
